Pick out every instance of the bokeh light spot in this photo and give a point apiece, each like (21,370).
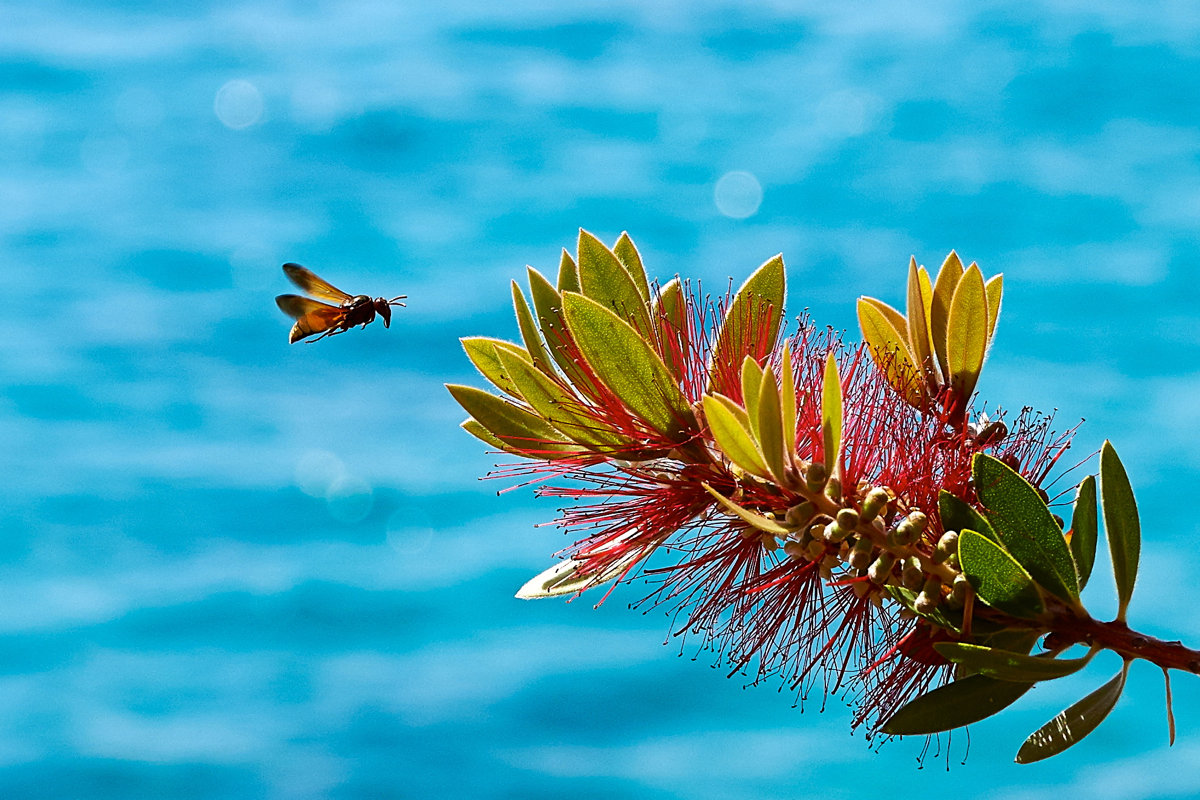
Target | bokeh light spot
(738,194)
(238,104)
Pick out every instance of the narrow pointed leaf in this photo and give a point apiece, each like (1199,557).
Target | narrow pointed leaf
(751,518)
(995,291)
(787,403)
(547,303)
(669,312)
(770,426)
(625,363)
(939,308)
(568,273)
(889,349)
(517,427)
(998,579)
(831,416)
(1025,525)
(530,334)
(920,294)
(1084,530)
(559,407)
(940,616)
(967,333)
(482,352)
(603,278)
(1004,665)
(751,380)
(962,702)
(629,256)
(473,427)
(565,578)
(1076,722)
(1120,523)
(731,432)
(751,325)
(958,515)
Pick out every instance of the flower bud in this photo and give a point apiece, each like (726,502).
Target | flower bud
(930,596)
(816,550)
(799,514)
(794,549)
(860,556)
(946,547)
(814,476)
(911,573)
(769,542)
(875,501)
(833,489)
(881,569)
(834,532)
(847,518)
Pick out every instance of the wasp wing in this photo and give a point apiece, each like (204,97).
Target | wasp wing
(307,280)
(311,317)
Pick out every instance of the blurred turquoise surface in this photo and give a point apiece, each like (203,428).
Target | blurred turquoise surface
(233,568)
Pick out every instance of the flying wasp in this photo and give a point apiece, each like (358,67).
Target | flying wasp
(313,317)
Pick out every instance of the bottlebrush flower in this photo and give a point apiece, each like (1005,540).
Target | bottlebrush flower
(824,512)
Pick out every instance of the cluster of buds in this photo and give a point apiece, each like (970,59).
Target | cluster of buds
(834,510)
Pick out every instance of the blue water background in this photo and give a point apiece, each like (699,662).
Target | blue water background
(233,568)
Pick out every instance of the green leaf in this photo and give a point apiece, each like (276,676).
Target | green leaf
(629,256)
(1073,724)
(956,704)
(967,333)
(669,313)
(561,408)
(568,273)
(547,302)
(1008,666)
(513,425)
(886,335)
(831,416)
(751,324)
(603,278)
(1025,525)
(482,352)
(940,616)
(939,307)
(751,518)
(1121,523)
(998,579)
(529,332)
(958,515)
(1084,530)
(630,368)
(730,429)
(770,426)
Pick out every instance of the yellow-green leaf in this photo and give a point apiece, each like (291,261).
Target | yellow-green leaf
(529,332)
(751,324)
(568,273)
(629,256)
(547,303)
(558,406)
(920,295)
(939,307)
(831,416)
(624,362)
(518,428)
(603,278)
(482,352)
(967,333)
(752,518)
(731,431)
(995,290)
(888,345)
(770,425)
(787,398)
(669,311)
(1085,530)
(751,380)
